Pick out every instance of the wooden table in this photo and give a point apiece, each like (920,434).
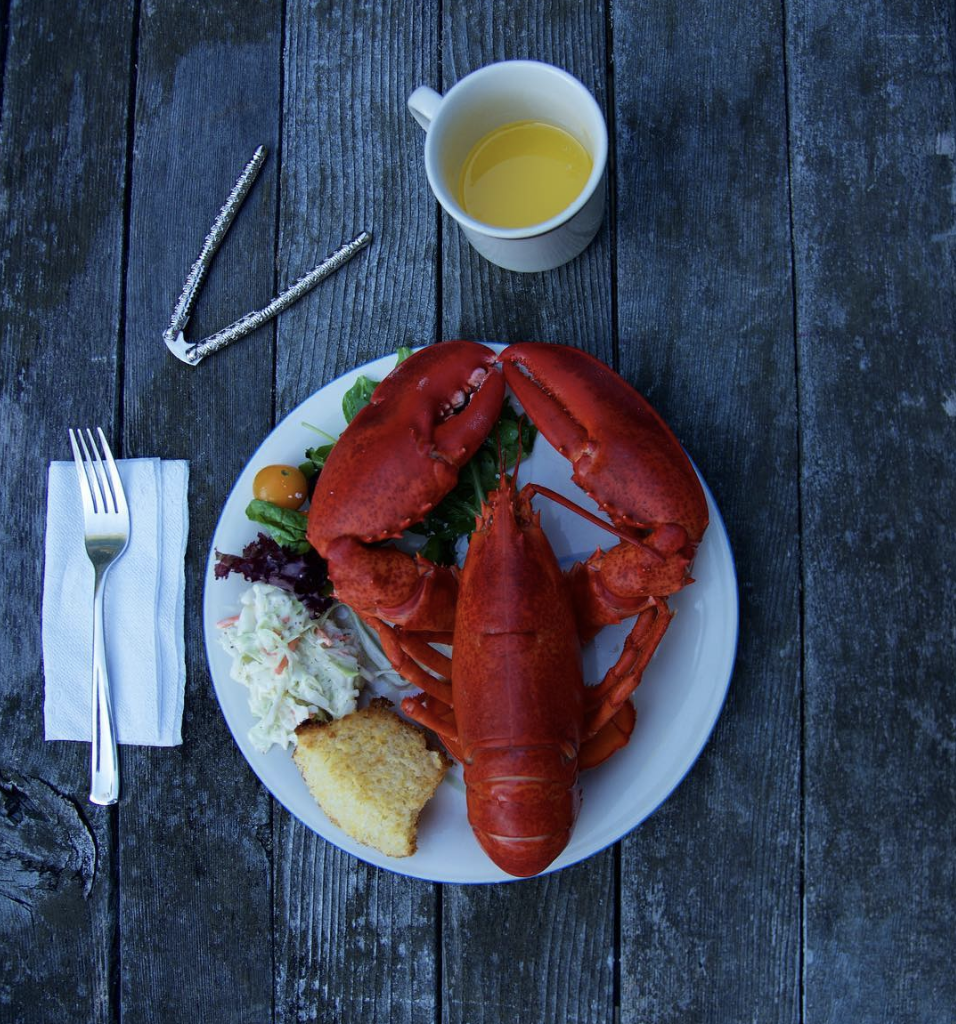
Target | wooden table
(776,273)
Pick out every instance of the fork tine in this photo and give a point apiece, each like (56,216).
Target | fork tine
(82,474)
(89,465)
(119,495)
(100,472)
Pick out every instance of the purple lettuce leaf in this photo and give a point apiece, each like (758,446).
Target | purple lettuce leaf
(264,561)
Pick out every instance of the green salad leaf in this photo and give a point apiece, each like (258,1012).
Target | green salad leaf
(358,396)
(360,393)
(315,457)
(315,460)
(287,526)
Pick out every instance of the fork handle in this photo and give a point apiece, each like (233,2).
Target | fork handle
(104,773)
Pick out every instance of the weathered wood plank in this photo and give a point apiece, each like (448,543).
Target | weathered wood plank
(537,950)
(542,949)
(62,158)
(4,40)
(873,122)
(351,162)
(354,943)
(711,884)
(195,827)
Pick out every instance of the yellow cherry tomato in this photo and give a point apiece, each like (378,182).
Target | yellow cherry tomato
(282,485)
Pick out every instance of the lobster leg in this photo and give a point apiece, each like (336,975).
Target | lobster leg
(609,714)
(609,739)
(412,657)
(437,716)
(417,661)
(418,646)
(623,677)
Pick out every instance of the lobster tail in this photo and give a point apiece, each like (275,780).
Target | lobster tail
(522,821)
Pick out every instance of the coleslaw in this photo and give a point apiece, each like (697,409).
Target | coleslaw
(295,666)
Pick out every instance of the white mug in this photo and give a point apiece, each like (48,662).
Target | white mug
(499,94)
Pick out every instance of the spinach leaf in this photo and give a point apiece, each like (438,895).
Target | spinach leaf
(315,460)
(357,397)
(360,393)
(287,526)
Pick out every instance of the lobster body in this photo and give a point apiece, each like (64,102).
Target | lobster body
(517,688)
(510,703)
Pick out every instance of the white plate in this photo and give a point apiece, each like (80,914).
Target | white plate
(678,701)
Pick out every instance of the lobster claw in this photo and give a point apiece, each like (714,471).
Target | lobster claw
(394,462)
(402,452)
(628,460)
(623,454)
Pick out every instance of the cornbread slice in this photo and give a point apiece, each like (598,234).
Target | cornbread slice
(371,774)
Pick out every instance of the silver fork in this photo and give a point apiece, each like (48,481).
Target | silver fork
(106,529)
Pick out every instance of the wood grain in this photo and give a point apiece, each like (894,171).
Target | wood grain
(873,116)
(352,161)
(195,828)
(706,323)
(63,145)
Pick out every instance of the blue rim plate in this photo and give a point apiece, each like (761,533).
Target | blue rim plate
(678,701)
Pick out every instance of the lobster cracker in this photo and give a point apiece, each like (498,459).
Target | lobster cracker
(511,703)
(193,353)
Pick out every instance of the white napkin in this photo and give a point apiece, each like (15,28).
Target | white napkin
(143,608)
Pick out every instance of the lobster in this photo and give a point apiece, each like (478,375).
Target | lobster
(510,703)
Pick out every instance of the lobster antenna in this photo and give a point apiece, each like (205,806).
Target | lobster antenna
(567,503)
(520,453)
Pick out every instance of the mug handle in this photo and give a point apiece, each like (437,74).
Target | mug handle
(424,104)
